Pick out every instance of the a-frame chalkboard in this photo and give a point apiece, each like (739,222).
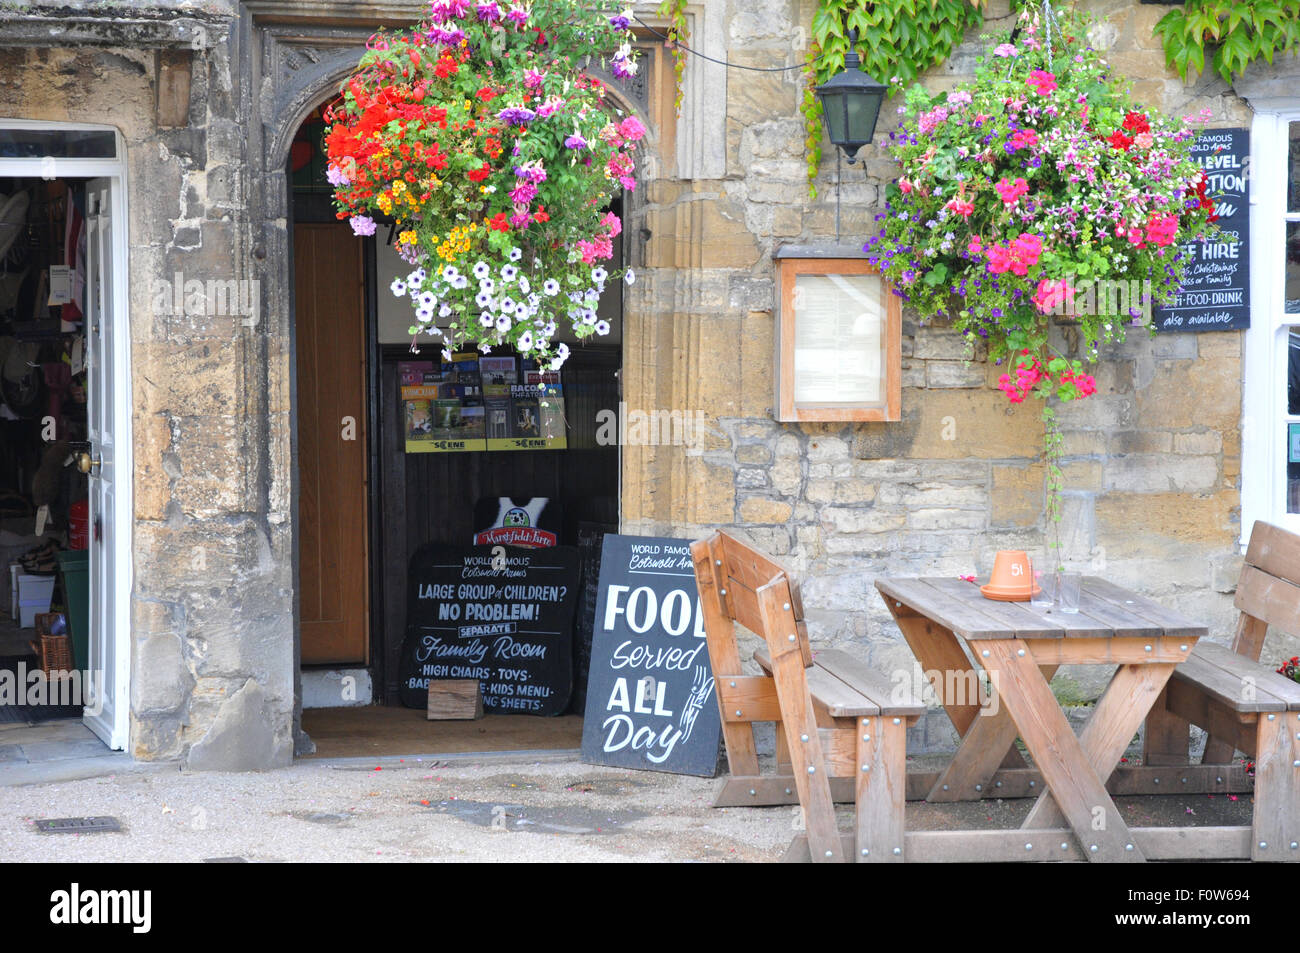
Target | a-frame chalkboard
(650,695)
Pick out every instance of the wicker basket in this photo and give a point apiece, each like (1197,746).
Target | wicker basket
(55,651)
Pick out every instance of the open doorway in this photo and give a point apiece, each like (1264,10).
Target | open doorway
(356,381)
(64,514)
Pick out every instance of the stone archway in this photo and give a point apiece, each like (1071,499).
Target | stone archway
(296,67)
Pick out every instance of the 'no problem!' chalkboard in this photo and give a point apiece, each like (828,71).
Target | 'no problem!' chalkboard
(650,698)
(501,614)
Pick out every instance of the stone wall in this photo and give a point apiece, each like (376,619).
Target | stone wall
(1152,460)
(211,610)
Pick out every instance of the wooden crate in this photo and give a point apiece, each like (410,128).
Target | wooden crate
(455,699)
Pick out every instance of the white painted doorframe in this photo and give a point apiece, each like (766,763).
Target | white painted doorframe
(116,735)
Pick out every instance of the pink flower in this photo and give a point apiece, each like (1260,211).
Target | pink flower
(631,129)
(1044,83)
(1006,50)
(611,221)
(961,207)
(1162,229)
(904,185)
(1023,139)
(1052,294)
(1010,191)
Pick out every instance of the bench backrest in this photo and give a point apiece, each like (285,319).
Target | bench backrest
(730,575)
(1268,592)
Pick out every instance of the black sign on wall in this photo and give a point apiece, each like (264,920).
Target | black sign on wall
(501,614)
(1216,282)
(650,696)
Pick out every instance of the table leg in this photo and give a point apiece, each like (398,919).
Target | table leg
(939,651)
(1111,727)
(977,760)
(1058,754)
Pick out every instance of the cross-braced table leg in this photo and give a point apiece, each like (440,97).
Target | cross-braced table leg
(940,652)
(1111,727)
(1067,769)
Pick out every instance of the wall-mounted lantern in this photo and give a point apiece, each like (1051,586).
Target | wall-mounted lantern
(851,102)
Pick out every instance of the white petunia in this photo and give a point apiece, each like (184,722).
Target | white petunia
(428,300)
(504,324)
(630,277)
(516,254)
(398,287)
(483,299)
(444,311)
(508,273)
(598,275)
(481,271)
(449,273)
(525,341)
(602,327)
(486,320)
(551,287)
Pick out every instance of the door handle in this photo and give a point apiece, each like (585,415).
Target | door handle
(86,463)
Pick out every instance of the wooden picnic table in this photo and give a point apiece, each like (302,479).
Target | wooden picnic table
(1020,648)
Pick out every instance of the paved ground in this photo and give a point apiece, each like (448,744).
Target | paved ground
(477,808)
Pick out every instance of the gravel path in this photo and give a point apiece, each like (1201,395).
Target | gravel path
(407,811)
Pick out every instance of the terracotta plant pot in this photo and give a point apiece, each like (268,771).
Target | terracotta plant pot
(1012,578)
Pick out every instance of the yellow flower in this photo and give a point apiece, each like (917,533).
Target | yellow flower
(407,237)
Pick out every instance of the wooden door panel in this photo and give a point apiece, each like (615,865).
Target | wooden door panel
(329,322)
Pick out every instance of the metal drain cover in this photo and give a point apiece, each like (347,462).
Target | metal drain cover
(77,825)
(224,860)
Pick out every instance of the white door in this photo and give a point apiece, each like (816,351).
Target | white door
(104,703)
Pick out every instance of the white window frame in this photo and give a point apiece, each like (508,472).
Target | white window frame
(123,515)
(1266,344)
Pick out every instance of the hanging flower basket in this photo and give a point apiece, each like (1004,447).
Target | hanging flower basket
(496,156)
(1040,189)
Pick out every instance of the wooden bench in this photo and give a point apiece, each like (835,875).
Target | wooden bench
(1241,704)
(834,718)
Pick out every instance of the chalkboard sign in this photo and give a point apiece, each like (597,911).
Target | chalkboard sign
(650,695)
(590,537)
(501,614)
(1216,284)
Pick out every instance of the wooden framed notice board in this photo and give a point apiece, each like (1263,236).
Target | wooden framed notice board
(839,337)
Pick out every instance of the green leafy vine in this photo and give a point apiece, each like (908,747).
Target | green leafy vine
(678,33)
(896,38)
(1233,33)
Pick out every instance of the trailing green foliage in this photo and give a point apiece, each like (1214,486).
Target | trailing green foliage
(679,32)
(896,38)
(1233,33)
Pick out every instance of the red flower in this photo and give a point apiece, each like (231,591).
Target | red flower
(1118,140)
(540,215)
(498,222)
(479,174)
(446,67)
(487,94)
(1136,123)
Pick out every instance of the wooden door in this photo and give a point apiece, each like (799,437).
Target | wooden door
(329,323)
